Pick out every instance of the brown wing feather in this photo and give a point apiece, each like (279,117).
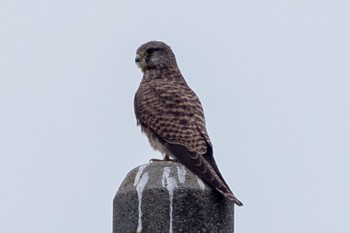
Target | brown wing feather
(175,115)
(170,111)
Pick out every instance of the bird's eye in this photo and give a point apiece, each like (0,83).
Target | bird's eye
(151,50)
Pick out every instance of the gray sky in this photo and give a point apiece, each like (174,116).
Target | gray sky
(273,77)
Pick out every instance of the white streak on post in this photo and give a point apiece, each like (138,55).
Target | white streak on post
(139,173)
(181,173)
(140,182)
(170,184)
(200,183)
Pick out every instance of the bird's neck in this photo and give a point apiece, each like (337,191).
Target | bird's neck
(151,74)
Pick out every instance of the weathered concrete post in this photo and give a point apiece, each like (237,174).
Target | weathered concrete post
(164,197)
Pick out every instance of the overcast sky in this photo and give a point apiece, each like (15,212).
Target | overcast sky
(273,77)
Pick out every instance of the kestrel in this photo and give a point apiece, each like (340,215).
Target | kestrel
(171,115)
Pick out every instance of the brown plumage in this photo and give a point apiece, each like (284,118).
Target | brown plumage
(171,115)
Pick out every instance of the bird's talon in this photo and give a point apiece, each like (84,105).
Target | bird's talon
(165,159)
(155,160)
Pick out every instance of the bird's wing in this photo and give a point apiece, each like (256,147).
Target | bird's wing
(173,112)
(175,115)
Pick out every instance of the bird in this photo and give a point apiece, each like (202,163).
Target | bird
(171,115)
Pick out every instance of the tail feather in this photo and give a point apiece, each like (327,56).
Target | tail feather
(229,195)
(219,183)
(204,167)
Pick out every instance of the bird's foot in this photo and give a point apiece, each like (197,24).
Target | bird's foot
(155,160)
(166,158)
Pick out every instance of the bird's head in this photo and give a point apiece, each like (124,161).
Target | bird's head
(155,55)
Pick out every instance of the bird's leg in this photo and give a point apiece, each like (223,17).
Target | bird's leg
(166,158)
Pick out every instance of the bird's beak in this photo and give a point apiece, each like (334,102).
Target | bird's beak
(137,59)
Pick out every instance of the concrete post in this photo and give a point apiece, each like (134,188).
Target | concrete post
(164,197)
